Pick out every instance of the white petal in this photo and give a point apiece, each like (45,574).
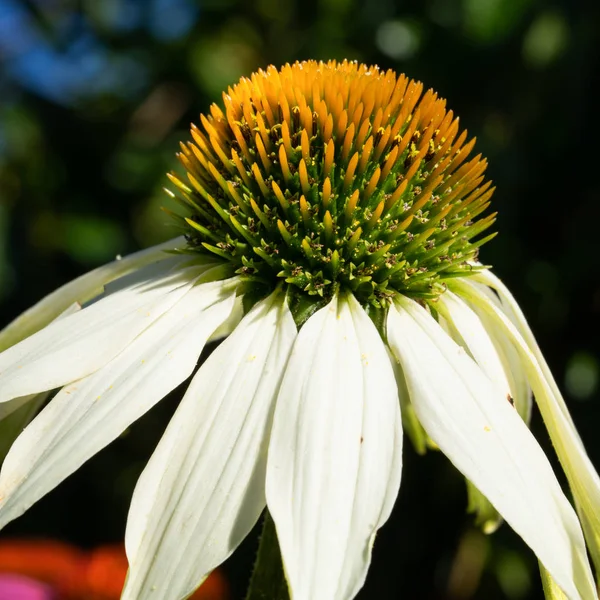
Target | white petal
(489,443)
(551,590)
(583,478)
(80,290)
(79,344)
(203,489)
(13,424)
(7,408)
(232,322)
(513,368)
(88,414)
(476,340)
(511,361)
(335,454)
(515,315)
(410,422)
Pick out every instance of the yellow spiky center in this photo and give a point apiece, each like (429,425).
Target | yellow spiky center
(334,176)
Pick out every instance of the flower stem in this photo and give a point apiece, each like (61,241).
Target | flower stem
(268,579)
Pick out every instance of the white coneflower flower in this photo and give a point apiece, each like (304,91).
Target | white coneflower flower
(330,213)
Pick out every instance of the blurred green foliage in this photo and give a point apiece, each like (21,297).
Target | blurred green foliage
(94,97)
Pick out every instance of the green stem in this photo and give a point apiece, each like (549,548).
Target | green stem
(268,579)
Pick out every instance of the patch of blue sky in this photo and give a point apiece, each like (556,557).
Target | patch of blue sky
(85,69)
(15,34)
(74,65)
(80,69)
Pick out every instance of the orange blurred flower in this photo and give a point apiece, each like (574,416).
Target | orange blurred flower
(74,574)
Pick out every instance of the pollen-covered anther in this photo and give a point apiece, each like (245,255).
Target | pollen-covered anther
(334,175)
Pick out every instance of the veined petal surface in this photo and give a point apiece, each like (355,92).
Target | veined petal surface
(485,438)
(203,489)
(513,368)
(80,290)
(470,329)
(511,309)
(87,415)
(335,453)
(7,408)
(583,477)
(79,344)
(508,353)
(12,424)
(467,330)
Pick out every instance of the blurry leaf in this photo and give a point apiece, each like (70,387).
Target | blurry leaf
(513,575)
(487,518)
(468,565)
(275,10)
(546,40)
(398,39)
(490,21)
(582,374)
(132,167)
(339,6)
(446,13)
(86,239)
(21,131)
(220,61)
(92,239)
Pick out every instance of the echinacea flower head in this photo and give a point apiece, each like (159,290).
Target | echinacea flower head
(335,178)
(331,218)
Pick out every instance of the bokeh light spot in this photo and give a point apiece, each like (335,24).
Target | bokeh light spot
(398,39)
(581,375)
(546,40)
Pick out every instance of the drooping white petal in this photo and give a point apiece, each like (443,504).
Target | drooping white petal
(513,367)
(513,312)
(471,331)
(489,443)
(7,408)
(79,344)
(231,323)
(12,425)
(508,354)
(203,489)
(335,454)
(80,290)
(17,413)
(583,478)
(87,415)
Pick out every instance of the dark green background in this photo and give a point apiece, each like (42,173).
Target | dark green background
(96,94)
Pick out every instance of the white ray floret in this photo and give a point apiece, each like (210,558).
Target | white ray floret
(81,290)
(81,343)
(581,474)
(485,438)
(89,413)
(470,330)
(203,489)
(335,453)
